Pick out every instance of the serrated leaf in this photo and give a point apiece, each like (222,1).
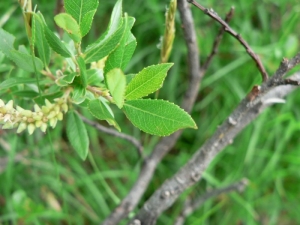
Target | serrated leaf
(11,82)
(78,94)
(149,80)
(116,83)
(77,134)
(83,12)
(65,80)
(25,94)
(110,39)
(157,117)
(56,44)
(70,25)
(95,76)
(102,111)
(120,57)
(21,58)
(82,68)
(24,61)
(104,46)
(41,43)
(86,22)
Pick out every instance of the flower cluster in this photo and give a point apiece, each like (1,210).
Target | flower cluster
(24,119)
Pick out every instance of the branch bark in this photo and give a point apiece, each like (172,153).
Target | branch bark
(193,205)
(115,133)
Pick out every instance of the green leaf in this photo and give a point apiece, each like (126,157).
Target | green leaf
(157,117)
(11,82)
(41,44)
(120,57)
(65,80)
(102,111)
(149,80)
(22,59)
(25,94)
(103,47)
(56,44)
(77,134)
(40,100)
(83,12)
(82,68)
(94,76)
(116,83)
(78,94)
(110,39)
(70,25)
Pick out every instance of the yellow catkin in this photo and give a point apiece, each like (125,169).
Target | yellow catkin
(23,119)
(169,33)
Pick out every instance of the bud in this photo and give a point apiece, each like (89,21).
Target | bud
(44,127)
(7,126)
(56,109)
(59,116)
(36,108)
(51,115)
(27,113)
(45,109)
(31,128)
(38,123)
(53,122)
(21,127)
(48,104)
(64,107)
(1,103)
(9,105)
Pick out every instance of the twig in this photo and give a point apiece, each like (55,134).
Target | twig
(216,43)
(237,36)
(192,171)
(115,133)
(166,143)
(191,206)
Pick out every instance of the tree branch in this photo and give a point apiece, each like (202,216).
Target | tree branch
(192,171)
(216,43)
(237,36)
(166,143)
(191,206)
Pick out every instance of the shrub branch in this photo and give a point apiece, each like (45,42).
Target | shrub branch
(211,13)
(192,205)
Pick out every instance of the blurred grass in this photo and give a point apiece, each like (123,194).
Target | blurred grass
(51,185)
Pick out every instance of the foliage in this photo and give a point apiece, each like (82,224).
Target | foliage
(79,79)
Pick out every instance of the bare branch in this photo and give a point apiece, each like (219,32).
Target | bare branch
(191,206)
(192,172)
(237,36)
(166,143)
(216,43)
(115,133)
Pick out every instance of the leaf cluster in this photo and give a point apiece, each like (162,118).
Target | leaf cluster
(93,77)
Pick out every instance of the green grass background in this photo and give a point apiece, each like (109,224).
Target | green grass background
(267,152)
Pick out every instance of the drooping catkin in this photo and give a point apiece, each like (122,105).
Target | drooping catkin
(169,34)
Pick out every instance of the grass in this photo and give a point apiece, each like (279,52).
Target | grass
(51,185)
